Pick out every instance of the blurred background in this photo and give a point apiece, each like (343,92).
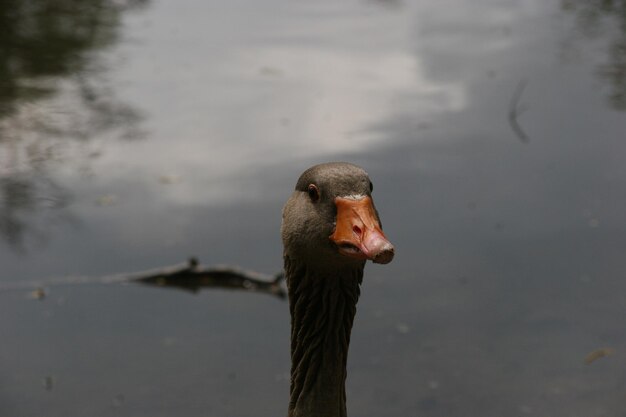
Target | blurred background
(134,134)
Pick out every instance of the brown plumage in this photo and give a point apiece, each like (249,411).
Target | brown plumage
(330,228)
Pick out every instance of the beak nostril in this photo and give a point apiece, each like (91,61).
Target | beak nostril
(356,229)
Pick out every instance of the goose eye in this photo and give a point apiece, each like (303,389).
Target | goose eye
(314,193)
(371,187)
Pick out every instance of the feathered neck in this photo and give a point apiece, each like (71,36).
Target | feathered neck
(322,307)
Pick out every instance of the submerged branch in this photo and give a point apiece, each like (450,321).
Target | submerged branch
(189,276)
(193,278)
(515,110)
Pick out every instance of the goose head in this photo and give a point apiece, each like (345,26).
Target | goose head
(330,219)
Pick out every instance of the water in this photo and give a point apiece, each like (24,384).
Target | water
(143,133)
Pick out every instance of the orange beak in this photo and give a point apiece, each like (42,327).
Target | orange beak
(358,233)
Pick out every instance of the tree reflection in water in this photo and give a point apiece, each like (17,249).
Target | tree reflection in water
(54,98)
(589,16)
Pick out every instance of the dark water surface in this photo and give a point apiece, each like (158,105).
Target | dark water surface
(135,134)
